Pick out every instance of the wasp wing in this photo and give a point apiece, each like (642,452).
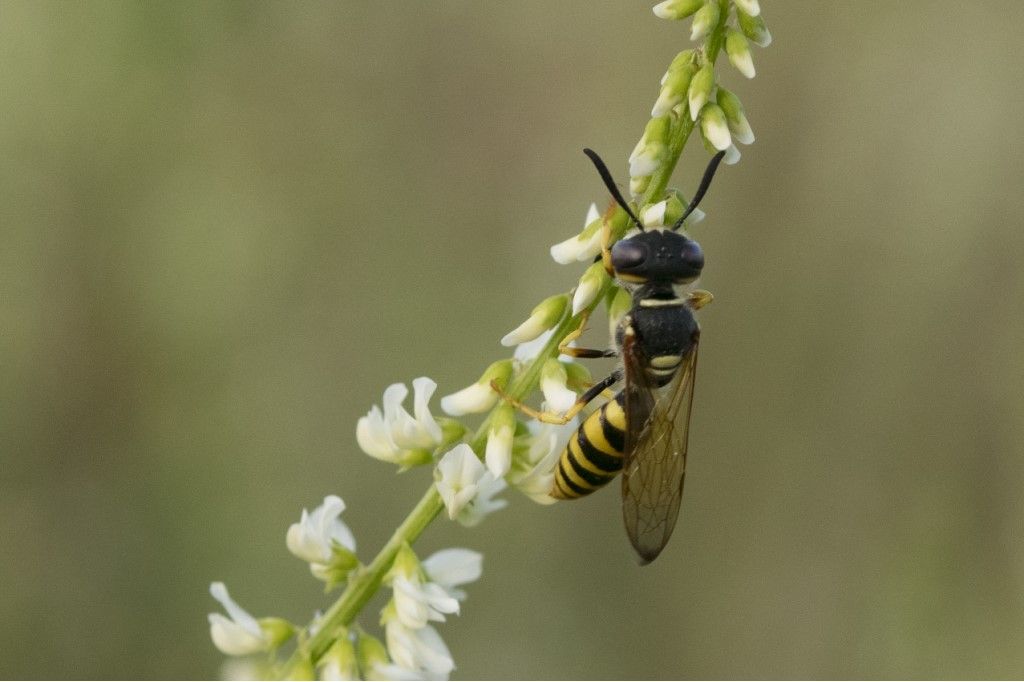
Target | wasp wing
(657,426)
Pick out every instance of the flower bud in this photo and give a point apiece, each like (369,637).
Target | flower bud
(578,377)
(617,309)
(734,116)
(704,20)
(739,52)
(478,397)
(732,155)
(370,653)
(714,127)
(339,662)
(673,89)
(591,284)
(676,9)
(753,28)
(700,89)
(750,7)
(553,379)
(681,60)
(639,185)
(545,316)
(650,151)
(498,454)
(583,246)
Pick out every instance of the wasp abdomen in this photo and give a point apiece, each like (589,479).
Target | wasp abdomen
(593,456)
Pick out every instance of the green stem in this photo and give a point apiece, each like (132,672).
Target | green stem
(364,584)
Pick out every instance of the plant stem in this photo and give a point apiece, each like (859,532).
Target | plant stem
(364,584)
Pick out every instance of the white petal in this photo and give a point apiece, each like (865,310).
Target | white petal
(374,437)
(749,7)
(585,293)
(470,400)
(424,388)
(654,215)
(498,455)
(592,215)
(455,566)
(241,634)
(558,396)
(528,351)
(534,326)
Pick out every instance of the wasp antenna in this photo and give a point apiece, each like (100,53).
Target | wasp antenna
(705,182)
(602,170)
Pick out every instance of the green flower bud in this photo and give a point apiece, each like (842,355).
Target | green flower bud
(617,309)
(677,9)
(650,151)
(673,89)
(339,662)
(704,20)
(714,126)
(579,377)
(276,630)
(739,52)
(681,60)
(734,116)
(545,316)
(591,283)
(700,89)
(477,397)
(753,28)
(370,652)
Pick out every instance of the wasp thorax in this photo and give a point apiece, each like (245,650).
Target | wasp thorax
(658,255)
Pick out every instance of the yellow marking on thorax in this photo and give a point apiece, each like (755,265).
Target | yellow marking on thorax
(661,302)
(666,361)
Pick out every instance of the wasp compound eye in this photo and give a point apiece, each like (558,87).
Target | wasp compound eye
(628,254)
(692,257)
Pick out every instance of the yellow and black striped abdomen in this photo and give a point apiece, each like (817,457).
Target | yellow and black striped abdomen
(594,453)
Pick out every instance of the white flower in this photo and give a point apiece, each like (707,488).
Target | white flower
(241,634)
(553,380)
(396,436)
(417,602)
(418,649)
(450,568)
(528,351)
(318,535)
(534,471)
(479,397)
(466,486)
(583,246)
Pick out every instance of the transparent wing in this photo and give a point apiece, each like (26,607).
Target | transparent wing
(658,422)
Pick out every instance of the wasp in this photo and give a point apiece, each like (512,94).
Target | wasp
(642,430)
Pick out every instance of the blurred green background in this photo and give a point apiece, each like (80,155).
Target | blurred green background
(226,227)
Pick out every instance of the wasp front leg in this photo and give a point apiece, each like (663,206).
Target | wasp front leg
(565,349)
(554,418)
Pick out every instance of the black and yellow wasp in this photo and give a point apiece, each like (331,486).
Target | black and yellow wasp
(642,431)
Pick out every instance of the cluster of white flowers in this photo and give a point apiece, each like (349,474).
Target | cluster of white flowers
(424,592)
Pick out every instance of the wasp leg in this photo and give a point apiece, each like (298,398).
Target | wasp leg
(698,298)
(581,402)
(565,349)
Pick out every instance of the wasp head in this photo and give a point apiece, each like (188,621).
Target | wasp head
(657,257)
